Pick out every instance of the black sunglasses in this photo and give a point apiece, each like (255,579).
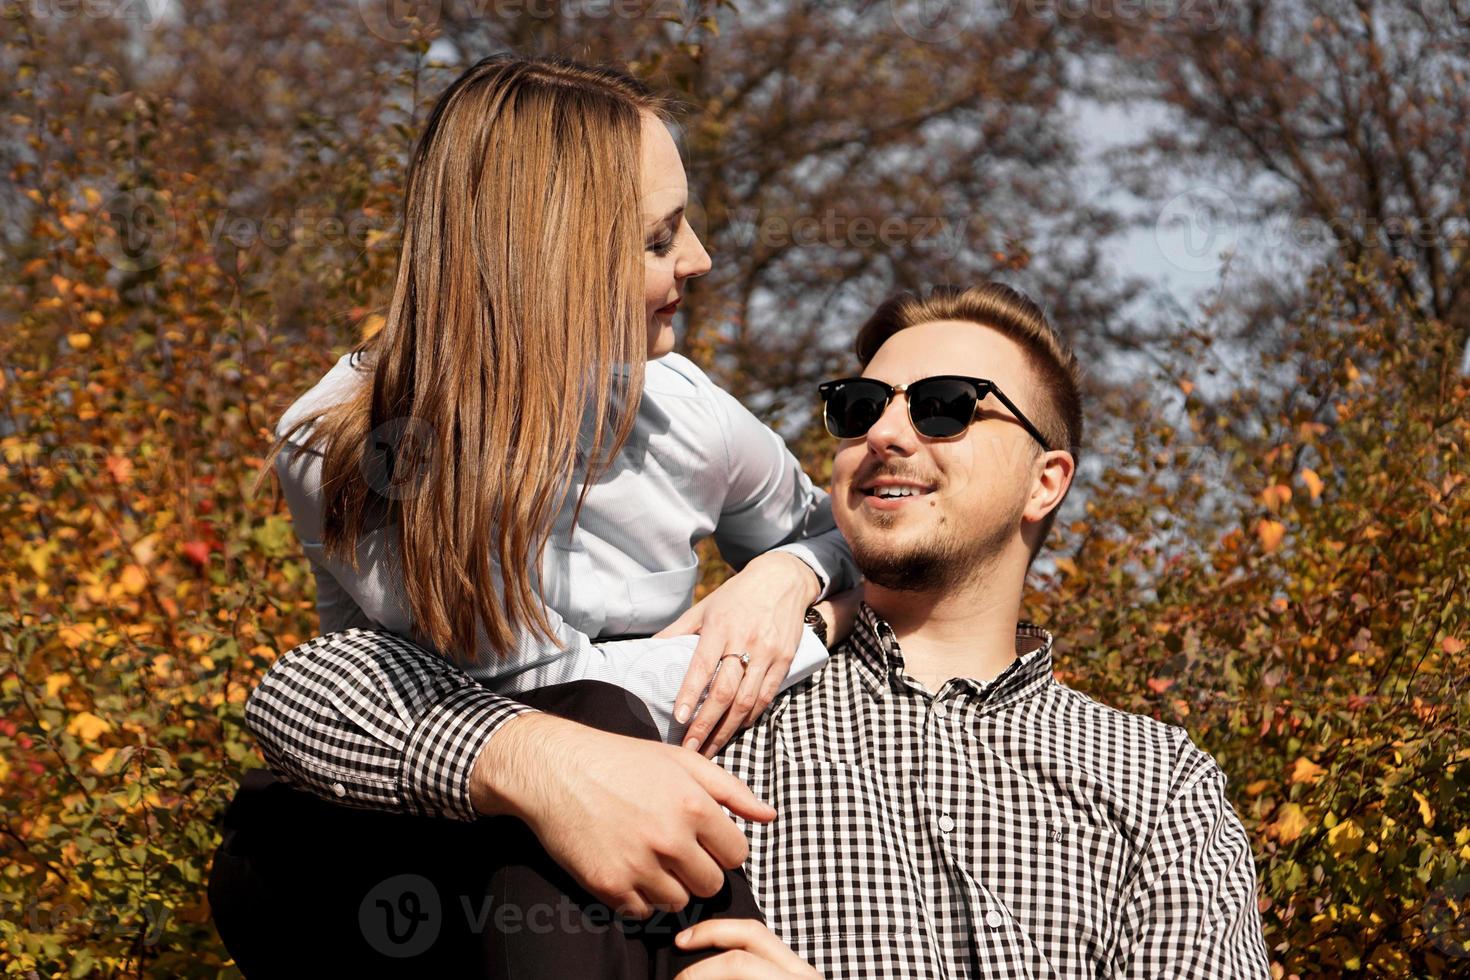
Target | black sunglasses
(940,407)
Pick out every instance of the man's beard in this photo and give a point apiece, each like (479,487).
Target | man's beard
(942,560)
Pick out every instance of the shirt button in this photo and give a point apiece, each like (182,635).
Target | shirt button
(939,712)
(994,919)
(339,789)
(946,823)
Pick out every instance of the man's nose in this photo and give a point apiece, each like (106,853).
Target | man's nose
(893,434)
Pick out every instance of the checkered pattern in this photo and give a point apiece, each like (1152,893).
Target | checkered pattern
(1015,828)
(370,720)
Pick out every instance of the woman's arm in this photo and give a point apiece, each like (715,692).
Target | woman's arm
(367,718)
(772,505)
(776,527)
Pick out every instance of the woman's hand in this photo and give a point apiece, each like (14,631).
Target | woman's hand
(754,952)
(758,611)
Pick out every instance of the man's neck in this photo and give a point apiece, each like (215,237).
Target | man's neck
(968,631)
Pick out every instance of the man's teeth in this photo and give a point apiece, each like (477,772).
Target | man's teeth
(888,493)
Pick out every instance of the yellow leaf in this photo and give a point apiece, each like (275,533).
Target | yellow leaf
(1346,839)
(79,341)
(145,548)
(102,760)
(1258,787)
(55,682)
(1289,824)
(1426,812)
(39,556)
(1304,770)
(77,634)
(87,726)
(93,197)
(372,325)
(133,580)
(1271,534)
(1313,482)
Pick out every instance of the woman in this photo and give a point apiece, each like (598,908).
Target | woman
(519,433)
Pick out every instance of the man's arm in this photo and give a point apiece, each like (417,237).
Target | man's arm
(370,720)
(367,719)
(1192,908)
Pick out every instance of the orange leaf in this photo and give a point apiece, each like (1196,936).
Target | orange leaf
(1271,534)
(1304,770)
(1159,684)
(1313,482)
(1452,645)
(1289,824)
(87,726)
(1276,497)
(133,580)
(120,467)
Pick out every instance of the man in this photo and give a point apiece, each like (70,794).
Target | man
(945,806)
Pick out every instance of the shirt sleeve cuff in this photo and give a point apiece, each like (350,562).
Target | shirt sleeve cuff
(444,745)
(808,555)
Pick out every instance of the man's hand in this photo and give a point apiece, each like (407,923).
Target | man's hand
(636,822)
(754,953)
(758,611)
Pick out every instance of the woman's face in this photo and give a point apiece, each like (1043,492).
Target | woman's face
(672,252)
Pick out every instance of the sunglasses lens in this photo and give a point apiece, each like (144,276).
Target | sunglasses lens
(852,408)
(942,408)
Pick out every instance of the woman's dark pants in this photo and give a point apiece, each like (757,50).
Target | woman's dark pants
(301,886)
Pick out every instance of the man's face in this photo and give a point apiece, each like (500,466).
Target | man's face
(971,490)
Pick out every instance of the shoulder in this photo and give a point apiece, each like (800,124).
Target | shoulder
(674,375)
(1134,748)
(336,385)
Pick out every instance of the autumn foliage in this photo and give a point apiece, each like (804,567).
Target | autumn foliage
(1269,546)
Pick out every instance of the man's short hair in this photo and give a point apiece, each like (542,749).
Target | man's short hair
(1056,406)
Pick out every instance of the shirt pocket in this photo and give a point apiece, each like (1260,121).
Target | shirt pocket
(656,599)
(838,864)
(1058,890)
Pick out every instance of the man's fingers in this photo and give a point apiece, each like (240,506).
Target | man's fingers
(747,935)
(734,965)
(697,870)
(722,692)
(731,792)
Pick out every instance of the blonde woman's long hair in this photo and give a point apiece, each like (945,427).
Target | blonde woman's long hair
(516,330)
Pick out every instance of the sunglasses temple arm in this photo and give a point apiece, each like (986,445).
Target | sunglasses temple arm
(1020,417)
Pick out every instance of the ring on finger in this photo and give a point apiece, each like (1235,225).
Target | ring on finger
(743,657)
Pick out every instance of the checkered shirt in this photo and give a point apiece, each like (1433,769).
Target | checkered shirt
(1015,828)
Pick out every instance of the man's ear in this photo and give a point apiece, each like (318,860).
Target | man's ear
(1053,480)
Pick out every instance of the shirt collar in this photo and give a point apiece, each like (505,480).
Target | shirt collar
(879,661)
